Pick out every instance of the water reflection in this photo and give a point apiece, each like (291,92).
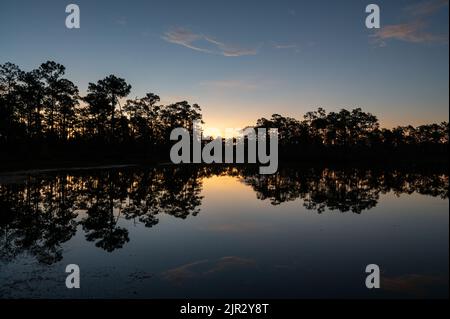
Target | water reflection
(344,190)
(43,211)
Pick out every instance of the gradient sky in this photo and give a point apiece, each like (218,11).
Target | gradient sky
(241,60)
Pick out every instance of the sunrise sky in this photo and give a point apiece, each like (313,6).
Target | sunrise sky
(241,60)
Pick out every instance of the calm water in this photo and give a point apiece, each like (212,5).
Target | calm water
(224,232)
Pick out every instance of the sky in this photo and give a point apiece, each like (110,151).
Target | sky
(241,60)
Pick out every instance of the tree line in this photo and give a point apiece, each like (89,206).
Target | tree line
(41,111)
(42,105)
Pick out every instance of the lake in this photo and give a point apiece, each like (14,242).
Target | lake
(224,232)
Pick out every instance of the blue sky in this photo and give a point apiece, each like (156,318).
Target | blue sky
(241,60)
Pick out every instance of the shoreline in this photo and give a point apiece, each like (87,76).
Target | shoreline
(40,167)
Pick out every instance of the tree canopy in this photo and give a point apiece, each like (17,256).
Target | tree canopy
(41,106)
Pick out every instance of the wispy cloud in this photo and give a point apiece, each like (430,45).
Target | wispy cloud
(184,38)
(228,50)
(287,46)
(427,8)
(410,32)
(415,30)
(205,44)
(122,21)
(232,51)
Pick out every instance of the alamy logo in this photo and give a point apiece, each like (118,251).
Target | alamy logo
(373,279)
(373,19)
(73,279)
(235,143)
(73,19)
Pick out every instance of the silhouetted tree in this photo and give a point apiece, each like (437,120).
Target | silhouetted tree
(144,117)
(9,116)
(60,100)
(180,114)
(104,96)
(31,94)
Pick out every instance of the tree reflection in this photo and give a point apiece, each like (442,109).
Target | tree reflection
(105,195)
(343,190)
(36,217)
(41,213)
